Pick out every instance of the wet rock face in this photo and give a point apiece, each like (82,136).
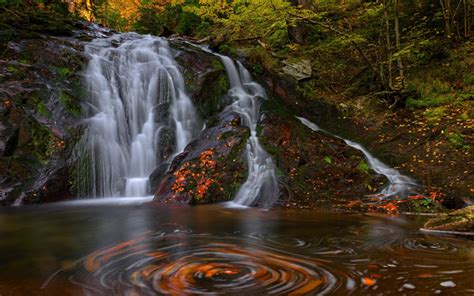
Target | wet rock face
(315,167)
(205,78)
(210,169)
(40,113)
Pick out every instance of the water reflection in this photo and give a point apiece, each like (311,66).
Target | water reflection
(145,249)
(199,264)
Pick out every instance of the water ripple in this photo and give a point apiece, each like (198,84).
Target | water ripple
(204,264)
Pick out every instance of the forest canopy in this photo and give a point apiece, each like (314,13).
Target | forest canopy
(380,41)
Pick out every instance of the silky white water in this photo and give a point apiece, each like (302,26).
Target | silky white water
(261,186)
(399,185)
(136,97)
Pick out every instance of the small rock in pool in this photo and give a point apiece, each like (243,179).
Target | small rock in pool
(409,286)
(448,284)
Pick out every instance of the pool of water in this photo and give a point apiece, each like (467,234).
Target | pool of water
(131,247)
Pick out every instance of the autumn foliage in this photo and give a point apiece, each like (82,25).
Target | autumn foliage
(395,206)
(197,178)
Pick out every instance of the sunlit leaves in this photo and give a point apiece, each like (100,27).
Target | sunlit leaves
(243,18)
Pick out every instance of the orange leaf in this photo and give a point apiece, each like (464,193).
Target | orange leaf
(425,276)
(368,281)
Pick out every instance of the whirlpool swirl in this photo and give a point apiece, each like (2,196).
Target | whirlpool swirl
(177,264)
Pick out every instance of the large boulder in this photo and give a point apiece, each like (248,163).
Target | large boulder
(210,169)
(315,168)
(459,221)
(298,70)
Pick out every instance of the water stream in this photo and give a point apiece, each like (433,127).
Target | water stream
(399,185)
(137,94)
(261,186)
(137,100)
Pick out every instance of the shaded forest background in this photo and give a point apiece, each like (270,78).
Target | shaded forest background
(358,47)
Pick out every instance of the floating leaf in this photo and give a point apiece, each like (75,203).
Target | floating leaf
(368,281)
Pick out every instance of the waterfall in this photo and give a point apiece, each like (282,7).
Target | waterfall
(399,185)
(137,101)
(261,186)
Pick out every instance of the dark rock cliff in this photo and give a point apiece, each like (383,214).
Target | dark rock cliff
(41,60)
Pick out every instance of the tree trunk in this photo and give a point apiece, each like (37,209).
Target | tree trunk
(464,18)
(446,10)
(397,43)
(298,32)
(389,47)
(306,4)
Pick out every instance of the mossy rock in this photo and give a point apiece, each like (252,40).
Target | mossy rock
(40,104)
(205,78)
(315,166)
(425,205)
(211,168)
(70,104)
(461,221)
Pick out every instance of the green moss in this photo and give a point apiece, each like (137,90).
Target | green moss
(257,69)
(70,104)
(272,150)
(217,65)
(63,72)
(13,69)
(428,101)
(278,38)
(226,135)
(42,143)
(425,205)
(25,61)
(41,108)
(227,50)
(38,103)
(215,87)
(363,167)
(432,93)
(259,55)
(469,78)
(223,83)
(433,115)
(456,139)
(18,73)
(239,172)
(460,220)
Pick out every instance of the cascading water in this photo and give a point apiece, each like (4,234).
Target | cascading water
(261,186)
(399,185)
(137,97)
